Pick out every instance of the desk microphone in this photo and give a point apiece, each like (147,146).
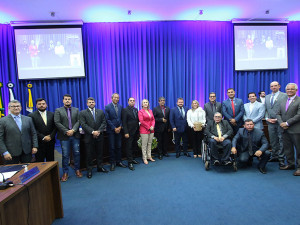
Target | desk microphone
(6,184)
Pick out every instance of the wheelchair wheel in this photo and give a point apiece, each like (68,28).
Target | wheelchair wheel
(207,164)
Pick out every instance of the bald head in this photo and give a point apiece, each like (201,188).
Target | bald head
(274,86)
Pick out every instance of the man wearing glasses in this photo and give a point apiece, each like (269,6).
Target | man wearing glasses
(218,132)
(18,138)
(212,107)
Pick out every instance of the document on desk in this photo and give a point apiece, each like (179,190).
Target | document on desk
(7,175)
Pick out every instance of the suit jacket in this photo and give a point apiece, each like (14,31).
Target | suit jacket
(259,141)
(239,110)
(257,114)
(15,141)
(43,130)
(113,120)
(89,124)
(271,111)
(211,129)
(130,120)
(177,121)
(62,123)
(208,111)
(291,116)
(146,121)
(160,126)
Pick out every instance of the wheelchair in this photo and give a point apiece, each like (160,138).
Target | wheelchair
(206,155)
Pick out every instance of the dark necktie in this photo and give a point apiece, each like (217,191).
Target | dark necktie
(116,108)
(163,110)
(69,118)
(134,112)
(181,113)
(272,100)
(250,150)
(93,112)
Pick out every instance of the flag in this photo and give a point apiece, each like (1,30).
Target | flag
(29,104)
(1,102)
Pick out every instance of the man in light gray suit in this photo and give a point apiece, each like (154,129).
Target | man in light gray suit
(18,138)
(272,104)
(212,107)
(66,120)
(289,119)
(255,111)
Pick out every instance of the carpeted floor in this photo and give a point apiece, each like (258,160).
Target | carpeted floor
(180,191)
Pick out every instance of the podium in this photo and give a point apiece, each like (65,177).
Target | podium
(36,201)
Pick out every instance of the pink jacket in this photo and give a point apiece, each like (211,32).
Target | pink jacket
(146,121)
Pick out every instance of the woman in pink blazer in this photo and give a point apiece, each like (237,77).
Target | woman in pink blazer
(146,130)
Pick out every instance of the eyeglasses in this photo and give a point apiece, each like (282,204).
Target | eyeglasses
(212,96)
(14,106)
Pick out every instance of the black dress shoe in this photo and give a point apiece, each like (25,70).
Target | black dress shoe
(177,155)
(102,169)
(287,167)
(274,159)
(281,164)
(217,163)
(130,166)
(89,174)
(262,170)
(112,167)
(135,162)
(226,163)
(160,157)
(120,164)
(166,155)
(187,154)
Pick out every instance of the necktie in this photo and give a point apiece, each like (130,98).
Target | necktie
(116,108)
(134,112)
(272,100)
(233,109)
(219,131)
(44,117)
(287,104)
(163,110)
(181,111)
(93,112)
(18,122)
(69,118)
(250,144)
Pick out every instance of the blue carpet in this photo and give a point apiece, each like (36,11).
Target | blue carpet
(180,191)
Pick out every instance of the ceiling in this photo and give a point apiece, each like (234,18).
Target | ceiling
(141,10)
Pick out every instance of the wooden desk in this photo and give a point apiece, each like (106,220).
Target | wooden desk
(37,202)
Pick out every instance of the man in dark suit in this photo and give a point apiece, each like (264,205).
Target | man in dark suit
(219,133)
(179,125)
(18,139)
(272,104)
(262,97)
(93,123)
(46,130)
(66,120)
(130,123)
(161,114)
(113,115)
(288,117)
(233,110)
(212,107)
(250,142)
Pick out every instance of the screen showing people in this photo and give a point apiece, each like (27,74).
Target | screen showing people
(260,47)
(49,53)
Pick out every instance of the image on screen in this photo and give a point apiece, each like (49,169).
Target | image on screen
(260,47)
(49,53)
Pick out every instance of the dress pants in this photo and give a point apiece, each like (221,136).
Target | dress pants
(178,136)
(132,146)
(244,158)
(289,142)
(115,142)
(94,147)
(45,151)
(215,146)
(162,141)
(146,145)
(276,142)
(24,158)
(197,137)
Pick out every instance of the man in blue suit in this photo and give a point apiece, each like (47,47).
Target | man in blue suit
(233,110)
(179,125)
(113,117)
(254,110)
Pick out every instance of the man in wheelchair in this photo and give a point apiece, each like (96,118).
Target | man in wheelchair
(218,132)
(251,142)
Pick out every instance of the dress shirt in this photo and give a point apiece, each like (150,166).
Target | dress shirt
(197,115)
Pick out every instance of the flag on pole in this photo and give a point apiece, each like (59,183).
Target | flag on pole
(1,101)
(10,86)
(29,104)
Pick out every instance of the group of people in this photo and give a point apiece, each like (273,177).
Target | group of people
(22,136)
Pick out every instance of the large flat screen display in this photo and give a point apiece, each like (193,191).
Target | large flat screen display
(260,47)
(48,53)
